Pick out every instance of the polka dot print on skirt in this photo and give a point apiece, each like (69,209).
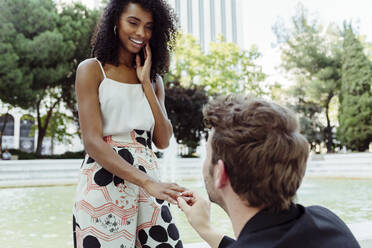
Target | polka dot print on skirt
(112,212)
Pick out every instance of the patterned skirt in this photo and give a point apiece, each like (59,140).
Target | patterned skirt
(111,212)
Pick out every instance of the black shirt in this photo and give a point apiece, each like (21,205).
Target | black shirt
(300,227)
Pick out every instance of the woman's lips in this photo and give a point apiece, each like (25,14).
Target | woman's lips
(136,43)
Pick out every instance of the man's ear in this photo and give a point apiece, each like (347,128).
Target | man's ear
(221,178)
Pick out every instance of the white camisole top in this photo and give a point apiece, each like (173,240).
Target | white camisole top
(124,107)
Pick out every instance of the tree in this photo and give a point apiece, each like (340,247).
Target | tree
(39,50)
(186,62)
(3,121)
(77,24)
(309,118)
(355,130)
(313,55)
(57,128)
(367,45)
(230,69)
(45,47)
(224,68)
(184,107)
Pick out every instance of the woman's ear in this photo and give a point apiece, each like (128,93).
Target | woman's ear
(221,178)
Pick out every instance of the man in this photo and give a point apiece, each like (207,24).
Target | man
(256,159)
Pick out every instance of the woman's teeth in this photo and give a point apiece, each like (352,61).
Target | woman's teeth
(137,41)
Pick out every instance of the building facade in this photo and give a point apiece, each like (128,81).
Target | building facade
(207,19)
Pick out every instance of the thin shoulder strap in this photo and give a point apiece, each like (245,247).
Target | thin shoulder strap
(100,65)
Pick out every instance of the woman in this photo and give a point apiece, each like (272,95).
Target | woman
(119,200)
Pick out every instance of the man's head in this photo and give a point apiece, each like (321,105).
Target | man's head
(259,148)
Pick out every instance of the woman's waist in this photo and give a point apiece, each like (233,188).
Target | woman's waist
(134,138)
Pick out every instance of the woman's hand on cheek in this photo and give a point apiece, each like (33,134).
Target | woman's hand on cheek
(143,71)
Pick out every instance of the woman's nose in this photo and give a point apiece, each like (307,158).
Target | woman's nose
(140,32)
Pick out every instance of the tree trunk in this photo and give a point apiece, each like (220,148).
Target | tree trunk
(52,145)
(42,129)
(40,138)
(328,135)
(2,131)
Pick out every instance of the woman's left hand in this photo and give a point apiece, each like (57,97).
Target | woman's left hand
(143,71)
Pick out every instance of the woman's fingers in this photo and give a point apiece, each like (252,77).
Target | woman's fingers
(148,50)
(189,200)
(169,199)
(170,192)
(176,187)
(145,53)
(138,61)
(188,193)
(174,194)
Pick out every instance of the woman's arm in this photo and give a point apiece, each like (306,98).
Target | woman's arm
(88,78)
(163,127)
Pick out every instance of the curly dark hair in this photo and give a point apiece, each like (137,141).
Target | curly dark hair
(106,44)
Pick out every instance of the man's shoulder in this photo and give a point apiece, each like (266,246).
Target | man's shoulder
(326,226)
(319,213)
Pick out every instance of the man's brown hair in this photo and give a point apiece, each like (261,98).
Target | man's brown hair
(264,153)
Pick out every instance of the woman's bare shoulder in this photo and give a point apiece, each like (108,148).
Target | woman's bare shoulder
(89,71)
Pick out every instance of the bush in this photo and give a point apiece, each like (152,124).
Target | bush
(32,155)
(184,107)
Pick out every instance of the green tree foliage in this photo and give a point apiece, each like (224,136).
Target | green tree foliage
(57,128)
(41,48)
(309,118)
(367,45)
(355,114)
(77,24)
(313,55)
(184,107)
(186,60)
(39,51)
(224,68)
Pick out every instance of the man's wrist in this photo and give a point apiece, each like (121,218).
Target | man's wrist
(205,231)
(212,237)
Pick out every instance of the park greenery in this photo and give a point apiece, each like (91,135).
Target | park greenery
(195,76)
(42,43)
(355,113)
(330,68)
(223,69)
(41,46)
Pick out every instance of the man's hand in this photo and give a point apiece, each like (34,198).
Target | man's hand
(197,211)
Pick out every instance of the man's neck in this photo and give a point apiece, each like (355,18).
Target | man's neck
(239,212)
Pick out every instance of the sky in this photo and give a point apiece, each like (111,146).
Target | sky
(260,16)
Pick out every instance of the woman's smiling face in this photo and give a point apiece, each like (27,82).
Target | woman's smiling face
(135,27)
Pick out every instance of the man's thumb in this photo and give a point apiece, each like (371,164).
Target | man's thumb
(182,204)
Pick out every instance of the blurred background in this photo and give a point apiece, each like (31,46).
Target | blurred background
(314,57)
